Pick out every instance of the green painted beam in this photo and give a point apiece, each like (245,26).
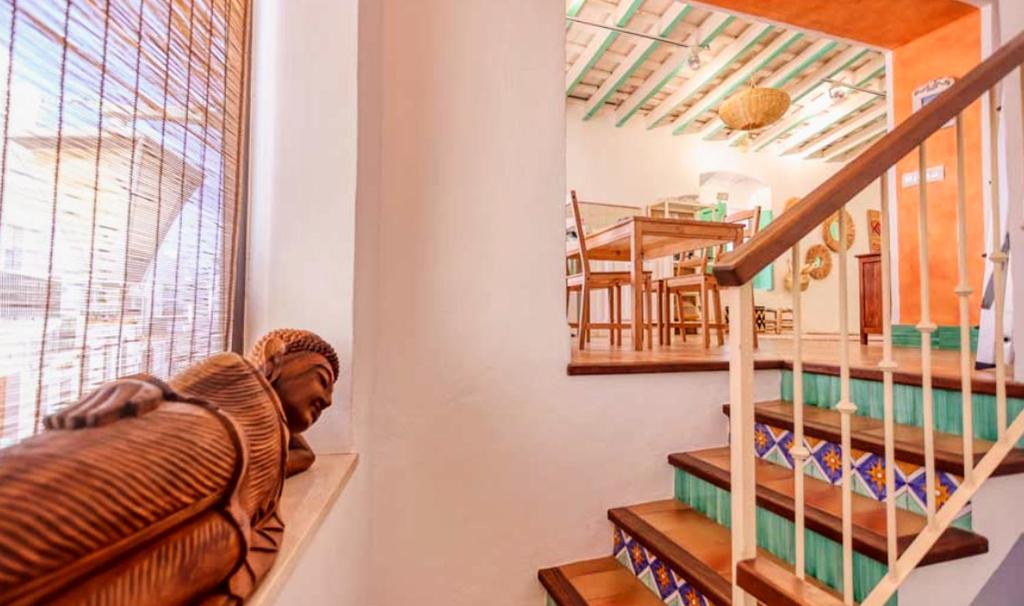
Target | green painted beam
(855,103)
(797,92)
(755,33)
(782,76)
(737,79)
(824,141)
(668,22)
(713,26)
(796,120)
(602,40)
(572,8)
(867,136)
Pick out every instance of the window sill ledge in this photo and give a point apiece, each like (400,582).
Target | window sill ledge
(305,502)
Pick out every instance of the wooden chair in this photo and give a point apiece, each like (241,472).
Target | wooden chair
(585,281)
(771,321)
(785,320)
(703,284)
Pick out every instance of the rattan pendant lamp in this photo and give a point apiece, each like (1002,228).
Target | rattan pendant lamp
(754,108)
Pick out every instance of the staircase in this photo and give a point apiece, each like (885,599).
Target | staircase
(838,490)
(678,550)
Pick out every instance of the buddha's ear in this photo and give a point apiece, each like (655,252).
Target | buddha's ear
(273,358)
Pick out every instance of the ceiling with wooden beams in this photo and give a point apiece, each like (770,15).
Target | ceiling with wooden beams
(630,79)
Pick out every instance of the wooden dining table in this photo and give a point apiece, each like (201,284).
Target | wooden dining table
(638,239)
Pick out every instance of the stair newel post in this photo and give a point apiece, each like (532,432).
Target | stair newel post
(798,450)
(846,408)
(963,292)
(887,365)
(740,302)
(925,327)
(998,259)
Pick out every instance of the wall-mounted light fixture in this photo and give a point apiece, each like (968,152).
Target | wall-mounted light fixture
(839,90)
(694,59)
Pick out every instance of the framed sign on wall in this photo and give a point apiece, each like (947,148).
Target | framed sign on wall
(929,91)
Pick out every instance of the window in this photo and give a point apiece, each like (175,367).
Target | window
(121,164)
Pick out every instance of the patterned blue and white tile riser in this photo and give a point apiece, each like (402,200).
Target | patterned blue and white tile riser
(773,444)
(652,572)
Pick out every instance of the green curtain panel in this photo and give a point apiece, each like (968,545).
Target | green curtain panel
(765,280)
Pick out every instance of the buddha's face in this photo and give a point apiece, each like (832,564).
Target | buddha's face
(304,384)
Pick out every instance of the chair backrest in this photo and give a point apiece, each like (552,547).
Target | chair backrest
(577,220)
(696,260)
(751,219)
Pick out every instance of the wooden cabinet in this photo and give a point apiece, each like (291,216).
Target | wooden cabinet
(870,295)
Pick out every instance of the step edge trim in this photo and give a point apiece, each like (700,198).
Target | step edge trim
(682,562)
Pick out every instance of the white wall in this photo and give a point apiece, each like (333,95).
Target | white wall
(303,179)
(489,462)
(304,243)
(632,165)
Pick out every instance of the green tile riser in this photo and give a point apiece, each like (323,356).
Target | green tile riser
(776,535)
(822,391)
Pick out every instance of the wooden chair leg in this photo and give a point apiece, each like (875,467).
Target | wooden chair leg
(648,318)
(667,306)
(719,324)
(612,332)
(611,315)
(582,325)
(754,323)
(661,313)
(616,316)
(680,310)
(704,316)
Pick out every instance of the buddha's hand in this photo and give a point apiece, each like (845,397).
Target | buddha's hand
(128,397)
(300,456)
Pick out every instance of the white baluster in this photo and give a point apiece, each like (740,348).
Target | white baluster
(998,258)
(799,451)
(963,292)
(926,328)
(740,301)
(846,408)
(887,366)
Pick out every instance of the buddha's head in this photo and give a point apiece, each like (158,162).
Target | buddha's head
(302,369)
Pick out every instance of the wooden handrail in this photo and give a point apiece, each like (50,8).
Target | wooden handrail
(741,265)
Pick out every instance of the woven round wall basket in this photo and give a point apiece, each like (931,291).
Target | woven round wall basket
(819,260)
(830,231)
(753,108)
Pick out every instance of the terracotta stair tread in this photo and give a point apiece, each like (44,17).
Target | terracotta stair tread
(600,582)
(867,434)
(692,545)
(778,586)
(823,511)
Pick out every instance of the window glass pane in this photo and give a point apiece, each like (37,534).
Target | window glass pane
(119,166)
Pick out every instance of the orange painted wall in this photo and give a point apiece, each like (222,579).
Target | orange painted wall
(949,51)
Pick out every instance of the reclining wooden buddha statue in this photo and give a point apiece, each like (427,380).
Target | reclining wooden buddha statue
(158,493)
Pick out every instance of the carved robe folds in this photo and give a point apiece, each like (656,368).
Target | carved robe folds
(147,493)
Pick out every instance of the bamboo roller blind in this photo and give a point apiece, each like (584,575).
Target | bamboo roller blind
(120,178)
